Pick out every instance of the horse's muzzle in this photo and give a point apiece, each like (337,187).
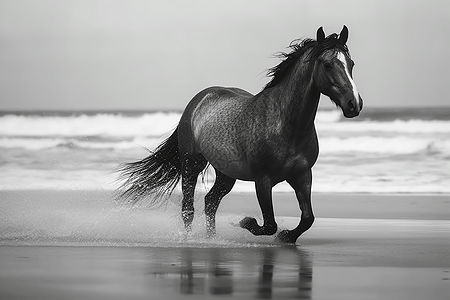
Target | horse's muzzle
(352,108)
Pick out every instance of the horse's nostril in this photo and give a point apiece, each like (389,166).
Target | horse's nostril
(351,105)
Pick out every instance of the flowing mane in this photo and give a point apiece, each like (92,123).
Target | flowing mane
(299,48)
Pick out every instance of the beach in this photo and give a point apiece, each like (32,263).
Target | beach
(381,197)
(81,244)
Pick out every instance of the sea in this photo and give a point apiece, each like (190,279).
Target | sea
(384,150)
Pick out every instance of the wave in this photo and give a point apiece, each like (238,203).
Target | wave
(72,143)
(397,126)
(399,145)
(149,124)
(160,123)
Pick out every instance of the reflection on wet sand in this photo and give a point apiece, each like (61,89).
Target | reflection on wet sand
(262,273)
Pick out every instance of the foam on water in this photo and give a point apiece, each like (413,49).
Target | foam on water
(159,123)
(121,132)
(115,125)
(399,126)
(328,144)
(389,151)
(385,145)
(87,143)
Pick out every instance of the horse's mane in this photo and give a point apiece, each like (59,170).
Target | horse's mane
(299,48)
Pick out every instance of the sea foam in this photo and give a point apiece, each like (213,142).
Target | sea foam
(110,125)
(160,123)
(371,153)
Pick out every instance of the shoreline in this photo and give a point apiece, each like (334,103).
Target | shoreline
(325,205)
(80,244)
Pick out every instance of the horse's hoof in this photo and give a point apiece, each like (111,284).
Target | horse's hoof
(285,237)
(248,223)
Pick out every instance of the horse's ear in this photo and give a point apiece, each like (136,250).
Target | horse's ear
(320,35)
(343,36)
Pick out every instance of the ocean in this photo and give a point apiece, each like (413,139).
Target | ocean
(384,150)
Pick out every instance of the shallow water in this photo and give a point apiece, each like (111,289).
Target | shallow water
(321,270)
(95,218)
(83,245)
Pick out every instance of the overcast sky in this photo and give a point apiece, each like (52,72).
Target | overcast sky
(111,54)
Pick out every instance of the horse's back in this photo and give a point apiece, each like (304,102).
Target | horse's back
(215,106)
(219,93)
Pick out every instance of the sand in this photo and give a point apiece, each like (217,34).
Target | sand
(81,245)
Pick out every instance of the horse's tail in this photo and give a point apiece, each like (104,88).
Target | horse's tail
(156,175)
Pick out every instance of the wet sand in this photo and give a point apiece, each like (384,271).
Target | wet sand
(71,245)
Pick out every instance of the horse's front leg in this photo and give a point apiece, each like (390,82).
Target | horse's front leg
(302,186)
(264,195)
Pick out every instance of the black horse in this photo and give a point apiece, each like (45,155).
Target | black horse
(266,138)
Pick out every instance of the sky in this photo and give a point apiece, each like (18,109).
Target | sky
(151,55)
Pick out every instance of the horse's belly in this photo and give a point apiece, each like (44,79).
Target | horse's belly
(226,158)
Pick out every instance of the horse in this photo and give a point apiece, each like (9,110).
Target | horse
(266,138)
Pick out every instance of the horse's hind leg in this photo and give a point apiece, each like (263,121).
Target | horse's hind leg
(221,187)
(191,167)
(302,187)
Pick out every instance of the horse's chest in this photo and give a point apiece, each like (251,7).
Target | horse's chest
(281,158)
(305,155)
(302,161)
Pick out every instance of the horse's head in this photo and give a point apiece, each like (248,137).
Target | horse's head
(333,73)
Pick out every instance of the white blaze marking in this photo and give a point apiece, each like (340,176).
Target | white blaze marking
(341,57)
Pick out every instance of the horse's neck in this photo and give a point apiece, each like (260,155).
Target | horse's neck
(298,98)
